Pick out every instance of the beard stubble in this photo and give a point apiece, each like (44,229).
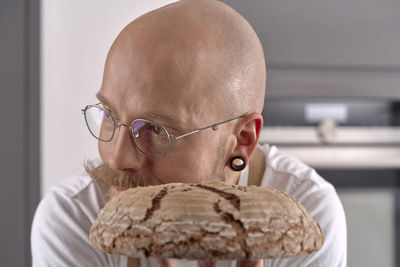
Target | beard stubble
(107,177)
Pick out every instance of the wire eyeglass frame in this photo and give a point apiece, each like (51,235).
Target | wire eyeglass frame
(118,124)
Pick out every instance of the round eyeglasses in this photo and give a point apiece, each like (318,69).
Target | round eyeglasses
(151,138)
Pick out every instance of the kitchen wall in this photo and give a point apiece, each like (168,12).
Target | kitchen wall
(75,38)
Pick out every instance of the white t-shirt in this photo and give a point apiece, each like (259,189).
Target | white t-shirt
(63,218)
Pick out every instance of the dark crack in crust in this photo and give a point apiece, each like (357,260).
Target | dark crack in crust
(232,198)
(237,225)
(155,204)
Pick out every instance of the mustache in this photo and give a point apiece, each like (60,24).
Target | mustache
(122,180)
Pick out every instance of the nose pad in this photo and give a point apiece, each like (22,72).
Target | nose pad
(135,134)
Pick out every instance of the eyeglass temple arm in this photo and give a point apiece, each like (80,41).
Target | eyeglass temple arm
(201,129)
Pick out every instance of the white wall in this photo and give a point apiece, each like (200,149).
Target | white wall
(75,38)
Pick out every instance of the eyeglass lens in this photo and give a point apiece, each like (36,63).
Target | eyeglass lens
(100,123)
(151,138)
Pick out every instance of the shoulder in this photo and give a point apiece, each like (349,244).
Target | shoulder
(318,196)
(76,193)
(62,221)
(289,174)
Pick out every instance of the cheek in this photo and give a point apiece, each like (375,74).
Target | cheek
(183,169)
(191,165)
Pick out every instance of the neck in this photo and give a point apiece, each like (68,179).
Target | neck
(256,168)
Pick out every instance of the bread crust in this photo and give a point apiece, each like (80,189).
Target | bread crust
(208,221)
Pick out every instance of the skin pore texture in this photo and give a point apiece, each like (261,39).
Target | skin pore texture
(185,66)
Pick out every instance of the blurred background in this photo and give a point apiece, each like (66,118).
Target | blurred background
(333,100)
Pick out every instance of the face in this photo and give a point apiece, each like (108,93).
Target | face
(167,87)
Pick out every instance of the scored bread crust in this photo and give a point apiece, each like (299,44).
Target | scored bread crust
(208,221)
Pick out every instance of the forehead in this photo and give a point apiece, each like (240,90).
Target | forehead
(166,80)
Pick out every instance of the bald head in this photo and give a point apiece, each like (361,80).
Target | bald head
(201,51)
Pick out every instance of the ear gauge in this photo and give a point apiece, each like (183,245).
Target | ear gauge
(238,163)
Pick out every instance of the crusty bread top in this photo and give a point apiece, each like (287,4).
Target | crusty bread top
(212,220)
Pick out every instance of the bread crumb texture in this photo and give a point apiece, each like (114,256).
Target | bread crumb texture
(212,220)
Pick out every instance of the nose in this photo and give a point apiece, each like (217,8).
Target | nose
(124,155)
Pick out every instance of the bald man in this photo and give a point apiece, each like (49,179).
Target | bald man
(181,101)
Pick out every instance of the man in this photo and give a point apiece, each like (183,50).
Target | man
(181,101)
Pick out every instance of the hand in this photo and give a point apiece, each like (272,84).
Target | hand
(240,263)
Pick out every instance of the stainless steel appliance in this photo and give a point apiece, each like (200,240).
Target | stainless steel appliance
(356,146)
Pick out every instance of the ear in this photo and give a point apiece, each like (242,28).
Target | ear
(247,133)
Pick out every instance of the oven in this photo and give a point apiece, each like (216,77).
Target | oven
(355,145)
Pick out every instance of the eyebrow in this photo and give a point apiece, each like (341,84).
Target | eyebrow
(104,101)
(172,121)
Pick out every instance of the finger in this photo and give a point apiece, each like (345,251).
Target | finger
(250,263)
(165,263)
(206,264)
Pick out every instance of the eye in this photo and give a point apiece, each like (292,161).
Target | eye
(145,129)
(156,129)
(107,114)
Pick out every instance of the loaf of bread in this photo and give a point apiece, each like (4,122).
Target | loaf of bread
(207,221)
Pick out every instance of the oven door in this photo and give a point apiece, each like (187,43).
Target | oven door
(363,164)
